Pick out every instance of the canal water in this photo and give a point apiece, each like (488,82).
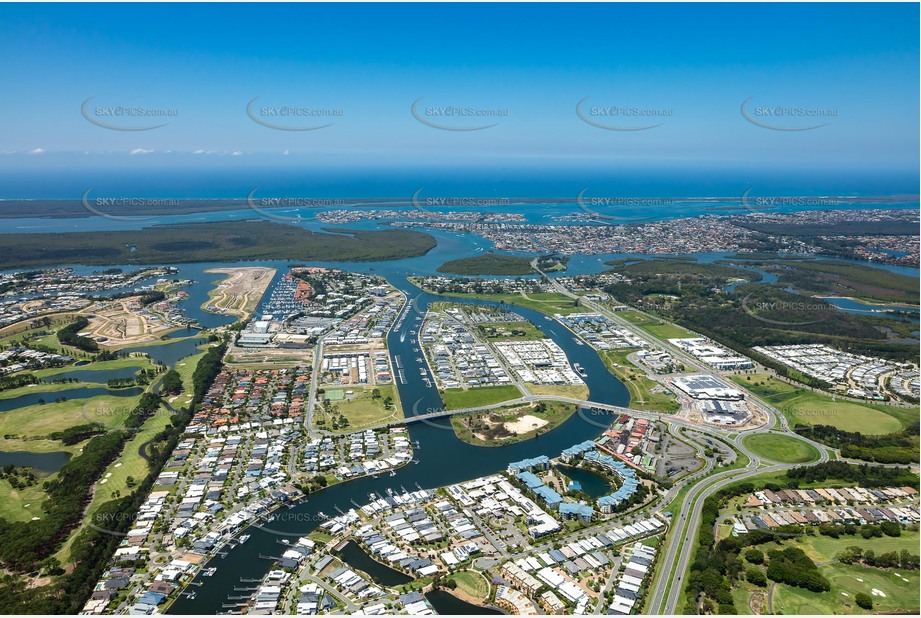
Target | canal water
(441,458)
(356,557)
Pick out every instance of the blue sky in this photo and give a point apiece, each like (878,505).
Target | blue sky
(693,64)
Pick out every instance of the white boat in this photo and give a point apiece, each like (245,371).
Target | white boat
(244,538)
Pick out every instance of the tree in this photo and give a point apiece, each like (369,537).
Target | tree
(755,556)
(864,600)
(890,528)
(172,382)
(756,577)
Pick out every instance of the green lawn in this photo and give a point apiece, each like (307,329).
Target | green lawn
(456,398)
(640,387)
(471,583)
(781,448)
(667,331)
(22,504)
(800,405)
(362,408)
(901,596)
(823,548)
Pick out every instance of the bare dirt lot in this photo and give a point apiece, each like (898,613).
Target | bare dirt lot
(239,294)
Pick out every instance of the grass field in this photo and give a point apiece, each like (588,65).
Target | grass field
(471,583)
(511,331)
(362,409)
(823,548)
(782,448)
(640,387)
(901,596)
(800,405)
(456,398)
(653,326)
(22,504)
(576,391)
(185,368)
(41,420)
(667,331)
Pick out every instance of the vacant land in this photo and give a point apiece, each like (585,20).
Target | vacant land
(511,424)
(511,331)
(488,264)
(544,302)
(211,242)
(239,294)
(575,391)
(782,448)
(457,398)
(645,394)
(806,407)
(655,327)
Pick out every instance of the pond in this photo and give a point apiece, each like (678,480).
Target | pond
(593,485)
(99,376)
(42,463)
(83,392)
(449,605)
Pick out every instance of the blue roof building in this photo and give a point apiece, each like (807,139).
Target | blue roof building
(582,512)
(549,496)
(530,480)
(628,487)
(541,462)
(576,450)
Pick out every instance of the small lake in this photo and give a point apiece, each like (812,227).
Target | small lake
(84,392)
(447,604)
(357,558)
(170,353)
(42,463)
(100,376)
(593,485)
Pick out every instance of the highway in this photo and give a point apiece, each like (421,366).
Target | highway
(680,543)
